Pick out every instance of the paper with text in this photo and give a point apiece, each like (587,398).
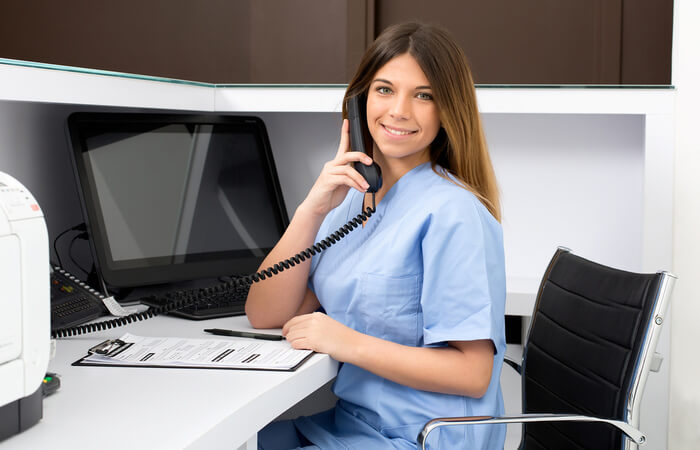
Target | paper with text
(231,353)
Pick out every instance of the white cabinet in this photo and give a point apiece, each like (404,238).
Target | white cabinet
(584,167)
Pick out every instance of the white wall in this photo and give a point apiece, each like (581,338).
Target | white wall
(684,414)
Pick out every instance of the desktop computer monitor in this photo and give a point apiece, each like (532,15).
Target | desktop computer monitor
(175,197)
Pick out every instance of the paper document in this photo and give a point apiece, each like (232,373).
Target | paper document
(228,353)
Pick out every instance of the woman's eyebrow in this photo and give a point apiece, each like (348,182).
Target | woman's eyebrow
(382,80)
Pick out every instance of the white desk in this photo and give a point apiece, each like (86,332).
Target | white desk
(146,408)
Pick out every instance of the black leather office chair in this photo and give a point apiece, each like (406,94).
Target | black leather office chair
(589,350)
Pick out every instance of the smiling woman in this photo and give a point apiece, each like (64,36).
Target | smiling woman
(413,302)
(434,72)
(402,117)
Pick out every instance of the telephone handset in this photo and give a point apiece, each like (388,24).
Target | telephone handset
(360,140)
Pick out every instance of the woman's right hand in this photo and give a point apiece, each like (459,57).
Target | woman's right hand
(336,178)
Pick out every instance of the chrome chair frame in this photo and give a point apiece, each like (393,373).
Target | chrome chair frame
(647,362)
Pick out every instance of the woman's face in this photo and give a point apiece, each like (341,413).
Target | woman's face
(401,113)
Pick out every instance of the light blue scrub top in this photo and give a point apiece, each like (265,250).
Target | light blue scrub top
(427,268)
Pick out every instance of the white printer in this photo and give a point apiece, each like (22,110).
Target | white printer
(25,328)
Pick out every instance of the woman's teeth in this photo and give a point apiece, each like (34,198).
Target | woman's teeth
(397,132)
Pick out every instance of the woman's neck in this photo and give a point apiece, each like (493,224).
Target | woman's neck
(392,171)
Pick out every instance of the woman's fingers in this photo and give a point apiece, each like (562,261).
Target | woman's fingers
(299,331)
(344,157)
(344,148)
(361,185)
(344,164)
(344,145)
(289,324)
(337,176)
(340,172)
(350,157)
(348,176)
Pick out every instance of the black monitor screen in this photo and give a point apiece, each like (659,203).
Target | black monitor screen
(176,197)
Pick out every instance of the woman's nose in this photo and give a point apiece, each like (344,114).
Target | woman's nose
(401,107)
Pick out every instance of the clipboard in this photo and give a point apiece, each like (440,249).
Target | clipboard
(185,353)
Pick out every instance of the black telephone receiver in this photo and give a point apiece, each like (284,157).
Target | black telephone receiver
(360,140)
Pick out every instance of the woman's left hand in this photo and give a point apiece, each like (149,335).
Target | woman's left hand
(320,333)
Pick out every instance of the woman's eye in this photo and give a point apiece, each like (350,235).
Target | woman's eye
(383,90)
(424,96)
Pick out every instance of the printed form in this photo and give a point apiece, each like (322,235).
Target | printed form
(228,353)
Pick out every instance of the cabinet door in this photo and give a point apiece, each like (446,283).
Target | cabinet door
(322,41)
(551,42)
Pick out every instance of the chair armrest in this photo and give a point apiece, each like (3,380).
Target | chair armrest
(637,436)
(513,364)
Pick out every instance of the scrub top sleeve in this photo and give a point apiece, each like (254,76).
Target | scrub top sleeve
(456,298)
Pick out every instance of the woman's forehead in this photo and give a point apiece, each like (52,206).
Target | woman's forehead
(404,70)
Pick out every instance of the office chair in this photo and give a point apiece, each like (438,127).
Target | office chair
(589,350)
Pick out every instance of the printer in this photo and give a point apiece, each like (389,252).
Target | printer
(25,322)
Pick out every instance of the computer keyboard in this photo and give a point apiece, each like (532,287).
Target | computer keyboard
(221,300)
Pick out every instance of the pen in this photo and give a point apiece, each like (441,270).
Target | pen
(245,334)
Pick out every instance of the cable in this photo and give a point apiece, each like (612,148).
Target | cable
(82,235)
(184,298)
(80,226)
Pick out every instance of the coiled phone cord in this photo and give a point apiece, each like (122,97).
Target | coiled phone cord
(189,297)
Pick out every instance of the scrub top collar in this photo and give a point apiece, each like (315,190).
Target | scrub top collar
(354,241)
(373,221)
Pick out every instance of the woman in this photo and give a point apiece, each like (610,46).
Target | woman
(414,299)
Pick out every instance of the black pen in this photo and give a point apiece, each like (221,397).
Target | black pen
(245,334)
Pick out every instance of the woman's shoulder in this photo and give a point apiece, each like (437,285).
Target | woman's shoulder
(444,194)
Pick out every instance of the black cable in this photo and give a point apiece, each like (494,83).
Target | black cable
(82,235)
(184,298)
(80,226)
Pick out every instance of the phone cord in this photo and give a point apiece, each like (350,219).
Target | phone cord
(189,297)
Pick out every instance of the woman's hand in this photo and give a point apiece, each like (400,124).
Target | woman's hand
(336,178)
(462,368)
(320,333)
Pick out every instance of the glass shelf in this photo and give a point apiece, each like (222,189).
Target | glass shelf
(38,65)
(575,86)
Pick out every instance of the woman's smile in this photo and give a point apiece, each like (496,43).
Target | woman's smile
(395,131)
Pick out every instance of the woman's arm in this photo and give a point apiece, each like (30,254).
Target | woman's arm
(275,300)
(462,368)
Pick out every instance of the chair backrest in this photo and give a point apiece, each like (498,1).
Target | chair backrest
(589,350)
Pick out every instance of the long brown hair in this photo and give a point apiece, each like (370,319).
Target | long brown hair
(460,146)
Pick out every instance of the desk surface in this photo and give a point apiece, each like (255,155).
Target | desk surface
(147,408)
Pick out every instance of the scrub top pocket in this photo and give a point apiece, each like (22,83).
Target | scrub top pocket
(392,307)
